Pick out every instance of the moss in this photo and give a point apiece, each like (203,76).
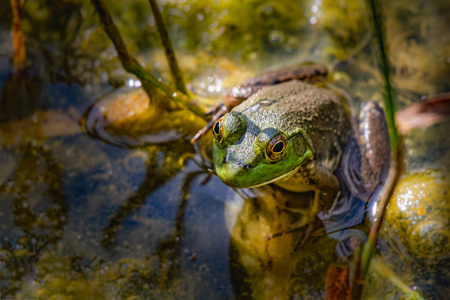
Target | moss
(418,216)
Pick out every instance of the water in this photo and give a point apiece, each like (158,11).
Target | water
(91,211)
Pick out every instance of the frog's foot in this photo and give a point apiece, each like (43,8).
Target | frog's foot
(303,211)
(310,227)
(347,247)
(292,228)
(373,141)
(314,227)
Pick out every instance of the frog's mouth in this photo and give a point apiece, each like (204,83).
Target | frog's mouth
(283,177)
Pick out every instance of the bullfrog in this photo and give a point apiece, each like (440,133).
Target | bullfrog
(292,133)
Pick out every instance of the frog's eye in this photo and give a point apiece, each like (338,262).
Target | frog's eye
(218,130)
(276,149)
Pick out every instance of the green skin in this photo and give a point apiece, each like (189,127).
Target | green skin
(316,126)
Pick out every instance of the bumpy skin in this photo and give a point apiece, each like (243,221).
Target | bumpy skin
(305,73)
(373,141)
(315,124)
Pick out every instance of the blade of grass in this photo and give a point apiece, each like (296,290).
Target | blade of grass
(175,71)
(389,94)
(396,165)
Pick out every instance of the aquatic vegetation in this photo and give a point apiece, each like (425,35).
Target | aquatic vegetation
(417,217)
(420,46)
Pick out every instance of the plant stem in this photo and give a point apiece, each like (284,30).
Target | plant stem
(396,166)
(396,161)
(175,71)
(396,169)
(389,99)
(20,55)
(130,64)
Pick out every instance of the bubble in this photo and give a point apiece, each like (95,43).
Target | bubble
(276,37)
(253,55)
(267,10)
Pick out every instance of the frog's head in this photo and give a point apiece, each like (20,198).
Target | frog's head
(246,155)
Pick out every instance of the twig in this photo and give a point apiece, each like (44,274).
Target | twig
(131,65)
(175,72)
(20,55)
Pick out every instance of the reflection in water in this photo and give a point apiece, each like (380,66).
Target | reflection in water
(169,249)
(80,219)
(39,208)
(160,168)
(118,107)
(125,119)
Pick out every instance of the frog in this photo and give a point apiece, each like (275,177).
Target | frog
(293,133)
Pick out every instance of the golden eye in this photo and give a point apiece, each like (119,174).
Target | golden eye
(218,130)
(276,149)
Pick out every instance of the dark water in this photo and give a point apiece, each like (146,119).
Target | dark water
(86,218)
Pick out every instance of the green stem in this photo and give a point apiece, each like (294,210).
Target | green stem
(130,64)
(175,70)
(396,166)
(177,97)
(396,157)
(389,99)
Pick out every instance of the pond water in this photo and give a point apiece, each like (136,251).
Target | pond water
(89,211)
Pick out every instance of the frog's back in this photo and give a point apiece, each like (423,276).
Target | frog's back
(294,104)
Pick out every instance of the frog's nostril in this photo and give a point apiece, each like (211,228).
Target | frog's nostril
(246,167)
(224,160)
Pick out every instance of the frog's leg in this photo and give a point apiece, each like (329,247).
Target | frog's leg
(326,187)
(311,177)
(373,141)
